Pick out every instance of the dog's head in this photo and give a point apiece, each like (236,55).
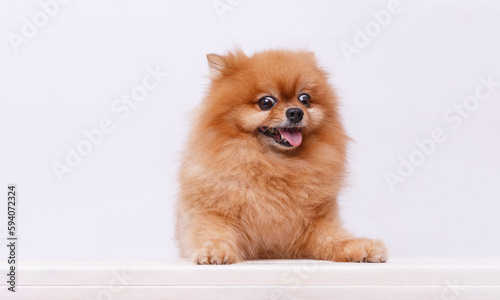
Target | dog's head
(280,97)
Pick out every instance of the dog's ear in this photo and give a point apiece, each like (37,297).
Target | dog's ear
(220,65)
(216,64)
(310,55)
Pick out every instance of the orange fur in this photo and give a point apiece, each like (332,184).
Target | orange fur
(244,197)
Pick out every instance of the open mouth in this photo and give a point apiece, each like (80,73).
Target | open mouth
(287,137)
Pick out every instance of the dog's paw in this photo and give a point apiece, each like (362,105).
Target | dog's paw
(215,254)
(365,250)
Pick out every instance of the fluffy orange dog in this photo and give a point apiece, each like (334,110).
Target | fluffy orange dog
(264,164)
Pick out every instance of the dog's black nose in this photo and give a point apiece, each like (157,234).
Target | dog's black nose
(295,114)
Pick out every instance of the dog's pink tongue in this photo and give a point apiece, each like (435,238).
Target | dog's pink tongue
(293,136)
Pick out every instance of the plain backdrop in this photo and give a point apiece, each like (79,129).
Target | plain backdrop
(117,204)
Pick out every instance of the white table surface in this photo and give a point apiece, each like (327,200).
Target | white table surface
(399,278)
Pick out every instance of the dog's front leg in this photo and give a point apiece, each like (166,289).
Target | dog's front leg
(328,240)
(213,241)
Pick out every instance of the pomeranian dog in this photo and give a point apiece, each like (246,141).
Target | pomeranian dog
(263,166)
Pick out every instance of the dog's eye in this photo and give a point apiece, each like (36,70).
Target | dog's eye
(305,99)
(267,102)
